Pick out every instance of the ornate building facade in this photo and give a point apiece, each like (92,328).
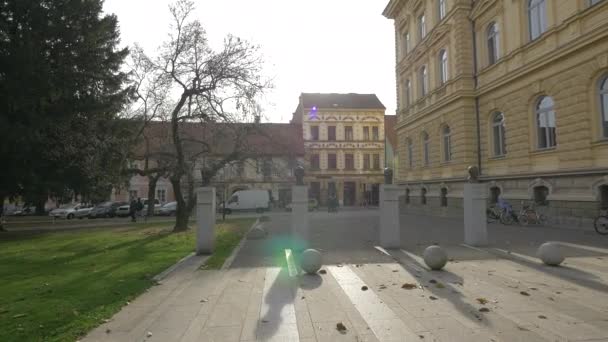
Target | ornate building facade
(518,88)
(344,146)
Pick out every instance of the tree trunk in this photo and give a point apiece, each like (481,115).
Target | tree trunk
(182,215)
(152,180)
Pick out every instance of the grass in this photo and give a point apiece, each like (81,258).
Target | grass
(58,286)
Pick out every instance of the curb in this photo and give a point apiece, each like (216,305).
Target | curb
(185,261)
(237,249)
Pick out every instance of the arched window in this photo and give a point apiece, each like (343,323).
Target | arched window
(407,90)
(604,105)
(541,193)
(421,27)
(426,148)
(545,121)
(441,8)
(424,81)
(447,143)
(537,17)
(443,66)
(498,133)
(423,196)
(444,197)
(410,153)
(406,44)
(493,41)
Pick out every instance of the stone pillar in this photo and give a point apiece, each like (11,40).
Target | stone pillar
(205,220)
(475,224)
(390,231)
(299,214)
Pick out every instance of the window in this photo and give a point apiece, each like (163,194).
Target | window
(444,197)
(376,161)
(375,133)
(407,196)
(406,44)
(494,194)
(348,133)
(537,17)
(447,143)
(314,162)
(331,133)
(426,148)
(132,194)
(421,27)
(331,161)
(540,195)
(498,133)
(267,167)
(349,161)
(233,199)
(594,2)
(365,133)
(443,66)
(604,105)
(603,190)
(407,90)
(441,9)
(493,41)
(314,132)
(424,81)
(423,196)
(410,153)
(161,195)
(366,161)
(545,121)
(331,189)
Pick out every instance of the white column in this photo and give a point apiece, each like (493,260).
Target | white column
(205,220)
(475,224)
(299,214)
(390,231)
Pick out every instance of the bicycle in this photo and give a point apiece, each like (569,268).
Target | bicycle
(503,215)
(601,223)
(529,215)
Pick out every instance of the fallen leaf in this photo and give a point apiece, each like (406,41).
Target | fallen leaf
(322,271)
(484,310)
(358,265)
(524,293)
(382,287)
(303,297)
(533,288)
(108,331)
(409,286)
(440,286)
(522,328)
(421,336)
(363,288)
(339,265)
(264,321)
(204,300)
(482,301)
(432,298)
(542,317)
(551,298)
(433,281)
(341,328)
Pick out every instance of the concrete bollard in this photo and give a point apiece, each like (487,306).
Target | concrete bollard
(205,220)
(390,230)
(475,224)
(299,214)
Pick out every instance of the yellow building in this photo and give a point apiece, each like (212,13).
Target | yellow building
(344,146)
(518,88)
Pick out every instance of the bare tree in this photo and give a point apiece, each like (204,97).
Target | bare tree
(210,87)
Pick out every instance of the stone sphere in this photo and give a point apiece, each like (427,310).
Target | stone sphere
(311,261)
(435,257)
(550,253)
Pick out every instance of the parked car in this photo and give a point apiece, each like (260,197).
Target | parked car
(83,211)
(123,210)
(105,209)
(258,200)
(169,209)
(312,205)
(23,211)
(66,211)
(157,206)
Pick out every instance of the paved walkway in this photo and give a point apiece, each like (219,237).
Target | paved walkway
(497,293)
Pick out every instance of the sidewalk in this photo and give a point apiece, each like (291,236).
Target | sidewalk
(370,294)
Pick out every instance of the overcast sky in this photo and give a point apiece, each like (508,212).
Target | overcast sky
(326,46)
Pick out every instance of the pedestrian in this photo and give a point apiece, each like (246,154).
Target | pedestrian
(133,210)
(139,207)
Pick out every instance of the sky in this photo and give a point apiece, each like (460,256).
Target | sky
(311,46)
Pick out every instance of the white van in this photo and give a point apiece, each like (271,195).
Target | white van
(257,200)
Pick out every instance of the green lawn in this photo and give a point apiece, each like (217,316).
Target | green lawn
(58,286)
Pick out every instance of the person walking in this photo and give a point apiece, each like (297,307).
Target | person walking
(133,210)
(139,207)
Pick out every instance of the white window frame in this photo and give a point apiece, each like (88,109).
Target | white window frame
(447,143)
(421,26)
(426,147)
(441,9)
(603,97)
(443,66)
(499,145)
(493,41)
(424,81)
(407,90)
(537,18)
(546,116)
